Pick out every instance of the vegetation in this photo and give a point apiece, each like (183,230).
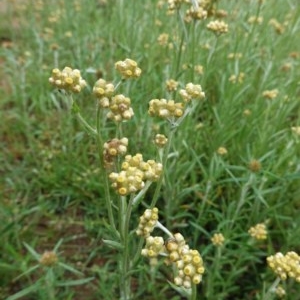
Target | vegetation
(225,171)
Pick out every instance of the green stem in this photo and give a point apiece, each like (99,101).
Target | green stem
(125,214)
(138,252)
(211,52)
(164,163)
(164,229)
(85,124)
(103,173)
(194,292)
(76,112)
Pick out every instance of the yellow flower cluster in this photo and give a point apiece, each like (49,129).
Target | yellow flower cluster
(218,239)
(165,108)
(259,231)
(68,79)
(285,265)
(175,4)
(236,55)
(113,148)
(217,27)
(280,291)
(270,94)
(199,69)
(195,14)
(147,222)
(192,91)
(296,130)
(255,19)
(103,91)
(133,174)
(154,246)
(120,108)
(222,151)
(163,39)
(188,262)
(160,140)
(239,78)
(48,259)
(171,85)
(128,68)
(279,28)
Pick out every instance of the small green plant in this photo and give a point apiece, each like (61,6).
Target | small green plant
(50,272)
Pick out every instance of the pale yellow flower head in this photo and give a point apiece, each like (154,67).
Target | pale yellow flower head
(192,91)
(222,151)
(280,291)
(195,14)
(217,27)
(167,109)
(285,266)
(154,247)
(120,108)
(68,79)
(128,68)
(48,259)
(163,39)
(188,262)
(218,239)
(259,231)
(135,171)
(147,222)
(160,140)
(114,148)
(172,85)
(103,89)
(270,94)
(296,130)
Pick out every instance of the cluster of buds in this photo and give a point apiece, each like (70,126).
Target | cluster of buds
(239,78)
(171,85)
(48,259)
(218,239)
(114,148)
(147,222)
(192,91)
(279,28)
(128,68)
(166,109)
(163,39)
(160,140)
(285,265)
(188,262)
(198,9)
(68,79)
(193,13)
(259,231)
(120,108)
(217,27)
(270,94)
(103,91)
(175,4)
(134,173)
(154,247)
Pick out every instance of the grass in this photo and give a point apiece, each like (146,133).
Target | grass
(51,187)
